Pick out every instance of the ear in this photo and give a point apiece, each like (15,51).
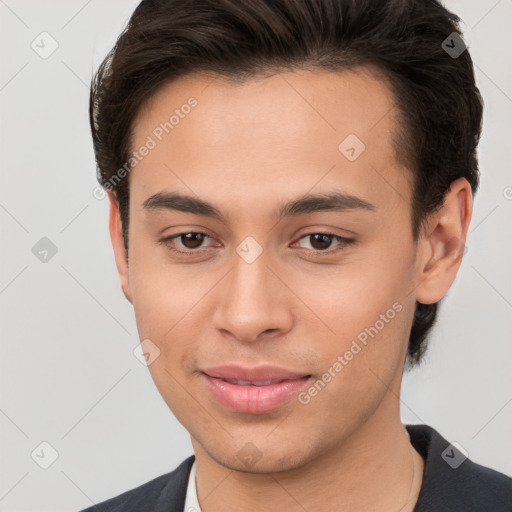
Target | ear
(442,243)
(116,236)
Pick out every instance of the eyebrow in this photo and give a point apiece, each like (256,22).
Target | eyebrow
(308,203)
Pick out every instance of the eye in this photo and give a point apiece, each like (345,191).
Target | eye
(322,242)
(190,241)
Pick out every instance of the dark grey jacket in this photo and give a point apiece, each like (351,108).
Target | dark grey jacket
(448,485)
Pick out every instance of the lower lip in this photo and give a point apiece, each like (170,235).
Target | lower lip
(254,399)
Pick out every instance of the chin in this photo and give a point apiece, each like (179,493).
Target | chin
(249,459)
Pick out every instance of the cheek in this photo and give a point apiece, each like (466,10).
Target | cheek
(162,293)
(169,304)
(361,363)
(368,312)
(353,296)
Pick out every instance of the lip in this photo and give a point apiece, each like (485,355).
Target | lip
(250,395)
(259,373)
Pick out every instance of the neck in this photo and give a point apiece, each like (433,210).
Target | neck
(375,468)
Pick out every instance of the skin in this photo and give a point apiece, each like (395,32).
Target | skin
(247,148)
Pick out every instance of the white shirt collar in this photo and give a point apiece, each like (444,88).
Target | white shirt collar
(191,501)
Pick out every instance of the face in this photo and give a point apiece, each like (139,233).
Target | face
(262,275)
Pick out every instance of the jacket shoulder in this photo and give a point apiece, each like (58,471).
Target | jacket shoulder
(494,488)
(451,481)
(164,493)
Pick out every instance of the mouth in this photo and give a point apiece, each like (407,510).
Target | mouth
(254,383)
(255,391)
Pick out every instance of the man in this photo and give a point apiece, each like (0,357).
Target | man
(291,185)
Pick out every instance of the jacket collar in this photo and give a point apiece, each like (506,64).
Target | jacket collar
(469,486)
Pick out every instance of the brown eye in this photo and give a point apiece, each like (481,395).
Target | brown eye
(186,243)
(320,241)
(192,240)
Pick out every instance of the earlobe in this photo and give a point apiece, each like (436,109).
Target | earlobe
(116,236)
(443,243)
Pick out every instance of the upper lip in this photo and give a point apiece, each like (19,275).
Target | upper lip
(259,373)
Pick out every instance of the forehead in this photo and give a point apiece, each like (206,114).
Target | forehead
(284,132)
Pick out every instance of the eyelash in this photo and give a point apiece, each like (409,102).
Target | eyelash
(343,242)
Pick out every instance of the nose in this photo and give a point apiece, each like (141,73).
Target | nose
(253,302)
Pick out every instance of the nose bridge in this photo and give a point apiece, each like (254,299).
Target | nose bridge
(253,300)
(250,280)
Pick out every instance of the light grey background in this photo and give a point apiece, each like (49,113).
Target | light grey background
(68,374)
